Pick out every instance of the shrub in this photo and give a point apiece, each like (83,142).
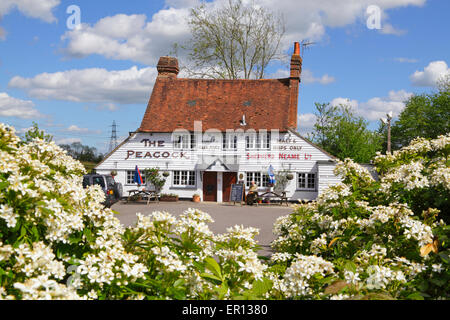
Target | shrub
(50,226)
(372,239)
(58,242)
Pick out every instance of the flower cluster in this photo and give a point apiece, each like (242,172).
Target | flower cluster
(50,225)
(381,235)
(299,279)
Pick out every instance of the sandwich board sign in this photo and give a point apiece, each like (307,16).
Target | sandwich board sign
(237,193)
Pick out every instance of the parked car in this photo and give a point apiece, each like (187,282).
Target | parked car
(113,190)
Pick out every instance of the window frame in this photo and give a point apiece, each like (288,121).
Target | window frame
(261,179)
(258,141)
(130,174)
(189,180)
(229,141)
(187,141)
(306,185)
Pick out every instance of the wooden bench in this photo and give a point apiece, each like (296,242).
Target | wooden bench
(135,195)
(272,195)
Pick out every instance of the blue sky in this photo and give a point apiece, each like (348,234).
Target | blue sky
(74,83)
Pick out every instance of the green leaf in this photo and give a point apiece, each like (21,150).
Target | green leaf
(222,290)
(444,256)
(210,276)
(178,283)
(213,266)
(3,185)
(350,266)
(378,296)
(260,287)
(35,233)
(438,282)
(415,296)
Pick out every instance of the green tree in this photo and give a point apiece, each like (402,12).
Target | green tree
(425,115)
(234,41)
(82,153)
(34,132)
(343,134)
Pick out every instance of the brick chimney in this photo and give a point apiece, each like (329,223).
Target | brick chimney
(296,70)
(167,67)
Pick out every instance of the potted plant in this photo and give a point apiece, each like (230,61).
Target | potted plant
(289,176)
(169,197)
(166,174)
(114,173)
(196,198)
(259,200)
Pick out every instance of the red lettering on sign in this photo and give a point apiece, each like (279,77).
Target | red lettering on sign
(129,154)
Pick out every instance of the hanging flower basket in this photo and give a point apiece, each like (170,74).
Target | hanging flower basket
(166,174)
(289,176)
(114,173)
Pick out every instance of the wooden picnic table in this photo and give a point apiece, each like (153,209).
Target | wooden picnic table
(273,195)
(136,194)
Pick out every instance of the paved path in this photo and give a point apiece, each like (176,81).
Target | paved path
(224,215)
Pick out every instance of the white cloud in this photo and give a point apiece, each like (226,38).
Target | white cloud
(430,75)
(377,107)
(76,129)
(344,101)
(137,38)
(41,9)
(129,86)
(307,76)
(130,37)
(306,122)
(387,28)
(109,107)
(406,60)
(13,107)
(182,3)
(67,140)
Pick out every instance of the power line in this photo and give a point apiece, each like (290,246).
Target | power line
(113,141)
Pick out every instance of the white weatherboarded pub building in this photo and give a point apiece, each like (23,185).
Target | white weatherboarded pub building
(209,134)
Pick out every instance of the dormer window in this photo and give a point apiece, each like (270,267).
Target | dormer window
(257,141)
(183,141)
(229,141)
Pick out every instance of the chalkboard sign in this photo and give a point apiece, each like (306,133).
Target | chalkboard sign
(237,192)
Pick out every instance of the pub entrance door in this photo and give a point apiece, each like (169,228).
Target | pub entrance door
(229,178)
(210,186)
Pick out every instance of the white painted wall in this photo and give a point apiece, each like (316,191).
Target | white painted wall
(304,158)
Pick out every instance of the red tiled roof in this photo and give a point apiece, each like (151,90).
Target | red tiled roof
(176,103)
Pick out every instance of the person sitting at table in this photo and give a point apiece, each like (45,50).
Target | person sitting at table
(252,193)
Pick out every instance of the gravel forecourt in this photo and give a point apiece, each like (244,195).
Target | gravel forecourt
(224,214)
